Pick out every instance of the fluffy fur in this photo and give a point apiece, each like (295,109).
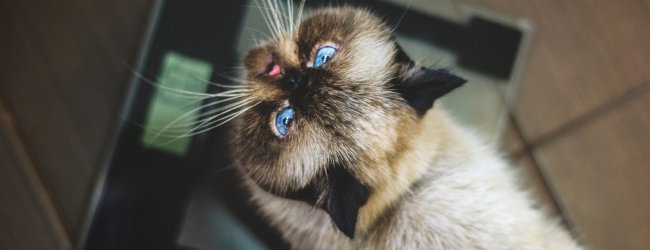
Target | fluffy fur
(367,163)
(460,196)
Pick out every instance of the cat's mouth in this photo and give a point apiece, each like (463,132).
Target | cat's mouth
(282,120)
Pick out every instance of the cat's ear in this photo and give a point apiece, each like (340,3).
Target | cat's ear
(339,194)
(421,86)
(345,197)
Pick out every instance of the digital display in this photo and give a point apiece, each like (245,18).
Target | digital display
(176,103)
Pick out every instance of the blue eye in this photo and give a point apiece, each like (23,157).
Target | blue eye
(323,55)
(283,120)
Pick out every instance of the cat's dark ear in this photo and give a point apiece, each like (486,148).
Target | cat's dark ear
(339,194)
(345,197)
(421,86)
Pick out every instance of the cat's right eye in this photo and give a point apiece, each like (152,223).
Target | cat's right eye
(283,121)
(323,55)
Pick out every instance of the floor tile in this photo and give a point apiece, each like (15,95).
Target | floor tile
(533,180)
(583,53)
(512,142)
(601,175)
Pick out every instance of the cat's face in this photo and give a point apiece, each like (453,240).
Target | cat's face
(324,98)
(332,104)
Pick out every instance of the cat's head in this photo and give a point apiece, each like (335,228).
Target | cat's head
(332,99)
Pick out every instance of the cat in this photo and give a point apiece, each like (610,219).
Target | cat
(343,146)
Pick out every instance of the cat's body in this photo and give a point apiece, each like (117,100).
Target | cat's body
(465,198)
(341,148)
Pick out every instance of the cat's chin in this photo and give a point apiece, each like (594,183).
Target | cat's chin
(276,181)
(301,193)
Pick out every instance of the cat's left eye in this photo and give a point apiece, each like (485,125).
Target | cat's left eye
(323,55)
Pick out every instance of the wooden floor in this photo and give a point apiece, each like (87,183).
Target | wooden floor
(580,128)
(581,122)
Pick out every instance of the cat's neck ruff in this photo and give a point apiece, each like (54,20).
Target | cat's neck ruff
(436,140)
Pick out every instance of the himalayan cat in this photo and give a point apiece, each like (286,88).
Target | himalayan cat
(343,147)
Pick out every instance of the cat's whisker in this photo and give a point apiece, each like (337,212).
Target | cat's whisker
(173,128)
(259,32)
(268,15)
(161,86)
(238,88)
(265,17)
(290,11)
(185,133)
(300,10)
(225,86)
(173,123)
(193,102)
(225,109)
(281,16)
(236,69)
(183,93)
(408,7)
(243,83)
(268,19)
(213,119)
(273,10)
(255,39)
(228,93)
(220,111)
(233,69)
(221,121)
(230,167)
(201,95)
(240,84)
(181,130)
(215,111)
(288,15)
(276,14)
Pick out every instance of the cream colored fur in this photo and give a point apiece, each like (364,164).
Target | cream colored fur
(432,183)
(454,192)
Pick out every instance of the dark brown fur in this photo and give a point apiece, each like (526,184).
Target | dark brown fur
(354,115)
(329,104)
